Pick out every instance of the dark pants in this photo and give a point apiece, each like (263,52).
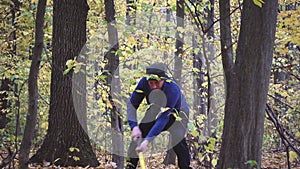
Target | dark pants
(180,147)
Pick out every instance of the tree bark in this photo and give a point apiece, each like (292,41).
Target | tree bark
(66,143)
(170,157)
(179,41)
(131,12)
(33,86)
(168,19)
(112,65)
(211,112)
(247,82)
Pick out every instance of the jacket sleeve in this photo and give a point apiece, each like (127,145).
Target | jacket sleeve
(134,102)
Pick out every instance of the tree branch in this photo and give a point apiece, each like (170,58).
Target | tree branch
(280,128)
(286,104)
(198,20)
(226,39)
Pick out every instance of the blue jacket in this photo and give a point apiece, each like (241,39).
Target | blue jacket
(175,102)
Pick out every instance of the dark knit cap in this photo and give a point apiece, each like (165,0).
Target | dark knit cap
(157,68)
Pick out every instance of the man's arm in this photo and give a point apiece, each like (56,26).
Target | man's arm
(173,95)
(134,102)
(131,114)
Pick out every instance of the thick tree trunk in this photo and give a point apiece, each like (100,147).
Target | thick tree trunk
(247,85)
(66,142)
(33,86)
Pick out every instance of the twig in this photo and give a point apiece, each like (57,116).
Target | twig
(40,96)
(279,128)
(198,21)
(286,104)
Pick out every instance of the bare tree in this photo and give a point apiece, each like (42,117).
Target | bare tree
(33,85)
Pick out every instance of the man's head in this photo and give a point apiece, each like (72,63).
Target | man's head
(156,73)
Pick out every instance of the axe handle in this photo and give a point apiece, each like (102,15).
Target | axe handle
(141,155)
(142,160)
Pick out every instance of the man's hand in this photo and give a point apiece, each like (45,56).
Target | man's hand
(143,147)
(136,133)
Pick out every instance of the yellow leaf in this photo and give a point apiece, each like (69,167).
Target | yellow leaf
(297,134)
(72,149)
(70,63)
(204,84)
(169,40)
(169,80)
(258,3)
(293,156)
(284,51)
(163,109)
(139,91)
(284,94)
(194,133)
(180,29)
(214,162)
(75,158)
(131,41)
(110,105)
(44,125)
(195,70)
(178,118)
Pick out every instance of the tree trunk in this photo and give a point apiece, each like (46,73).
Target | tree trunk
(168,19)
(247,82)
(66,143)
(112,65)
(211,111)
(170,157)
(131,12)
(179,41)
(33,86)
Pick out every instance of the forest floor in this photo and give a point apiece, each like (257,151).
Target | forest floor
(269,161)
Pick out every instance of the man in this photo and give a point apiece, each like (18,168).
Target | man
(168,111)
